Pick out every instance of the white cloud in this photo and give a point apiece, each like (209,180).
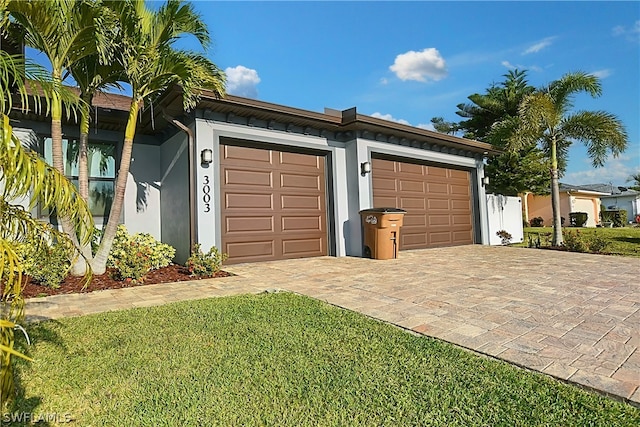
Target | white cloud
(632,33)
(421,66)
(427,126)
(242,81)
(511,66)
(384,81)
(615,170)
(602,74)
(537,47)
(390,118)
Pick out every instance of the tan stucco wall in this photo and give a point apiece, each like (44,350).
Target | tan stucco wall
(541,206)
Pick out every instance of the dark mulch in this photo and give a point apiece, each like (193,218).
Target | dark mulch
(73,285)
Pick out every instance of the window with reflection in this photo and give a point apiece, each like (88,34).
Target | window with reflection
(101,165)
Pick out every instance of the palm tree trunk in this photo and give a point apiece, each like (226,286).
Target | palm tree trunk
(99,264)
(555,195)
(78,266)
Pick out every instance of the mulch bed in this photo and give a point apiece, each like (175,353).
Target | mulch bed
(73,285)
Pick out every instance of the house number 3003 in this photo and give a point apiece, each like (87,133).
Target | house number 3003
(206,194)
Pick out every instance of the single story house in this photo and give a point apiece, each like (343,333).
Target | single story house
(622,198)
(263,181)
(572,199)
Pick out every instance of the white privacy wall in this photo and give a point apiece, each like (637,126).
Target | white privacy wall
(504,213)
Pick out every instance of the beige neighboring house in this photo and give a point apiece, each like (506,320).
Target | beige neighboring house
(572,199)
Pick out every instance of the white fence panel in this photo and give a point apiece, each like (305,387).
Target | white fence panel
(505,213)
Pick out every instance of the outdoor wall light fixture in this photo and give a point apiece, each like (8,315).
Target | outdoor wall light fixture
(365,168)
(485,181)
(206,156)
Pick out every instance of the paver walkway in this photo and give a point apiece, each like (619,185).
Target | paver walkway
(572,316)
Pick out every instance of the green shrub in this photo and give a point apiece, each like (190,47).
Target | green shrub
(537,221)
(132,263)
(204,265)
(574,242)
(578,219)
(617,218)
(597,244)
(47,263)
(160,254)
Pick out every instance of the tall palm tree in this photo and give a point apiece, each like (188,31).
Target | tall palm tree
(25,175)
(65,31)
(152,64)
(546,118)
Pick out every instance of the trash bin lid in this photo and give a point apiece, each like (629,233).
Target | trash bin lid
(383,210)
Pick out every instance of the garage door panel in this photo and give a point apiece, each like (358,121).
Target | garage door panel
(435,172)
(412,186)
(248,177)
(248,201)
(295,181)
(414,220)
(253,224)
(409,203)
(303,247)
(296,159)
(250,250)
(409,168)
(286,218)
(302,223)
(388,184)
(300,202)
(245,155)
(440,215)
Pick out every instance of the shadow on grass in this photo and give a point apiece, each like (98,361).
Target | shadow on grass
(634,240)
(24,410)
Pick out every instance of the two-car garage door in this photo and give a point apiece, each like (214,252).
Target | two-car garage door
(273,204)
(437,201)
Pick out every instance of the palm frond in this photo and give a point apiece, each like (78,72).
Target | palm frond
(600,131)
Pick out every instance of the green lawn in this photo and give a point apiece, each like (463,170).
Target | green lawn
(282,360)
(623,241)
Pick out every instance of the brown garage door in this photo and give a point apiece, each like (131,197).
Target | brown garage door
(273,204)
(437,201)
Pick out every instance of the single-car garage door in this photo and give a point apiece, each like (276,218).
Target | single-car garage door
(437,201)
(273,204)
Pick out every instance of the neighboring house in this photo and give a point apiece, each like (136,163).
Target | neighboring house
(263,181)
(572,199)
(628,200)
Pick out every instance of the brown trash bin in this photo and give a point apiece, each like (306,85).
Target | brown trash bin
(381,232)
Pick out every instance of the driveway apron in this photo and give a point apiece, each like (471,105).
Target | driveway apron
(572,316)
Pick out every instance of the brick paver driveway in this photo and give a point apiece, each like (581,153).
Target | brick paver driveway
(573,316)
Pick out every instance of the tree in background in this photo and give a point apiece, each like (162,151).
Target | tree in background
(510,173)
(545,118)
(634,179)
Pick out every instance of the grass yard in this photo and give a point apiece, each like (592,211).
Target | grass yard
(282,360)
(623,241)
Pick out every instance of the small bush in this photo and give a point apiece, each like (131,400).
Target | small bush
(132,263)
(574,242)
(47,263)
(578,219)
(204,265)
(160,254)
(537,221)
(504,236)
(597,244)
(617,218)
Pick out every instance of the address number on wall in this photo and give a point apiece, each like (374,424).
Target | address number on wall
(206,194)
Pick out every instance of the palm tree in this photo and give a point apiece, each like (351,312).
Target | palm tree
(635,180)
(151,64)
(25,175)
(66,32)
(546,118)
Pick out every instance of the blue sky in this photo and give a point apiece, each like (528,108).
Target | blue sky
(411,61)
